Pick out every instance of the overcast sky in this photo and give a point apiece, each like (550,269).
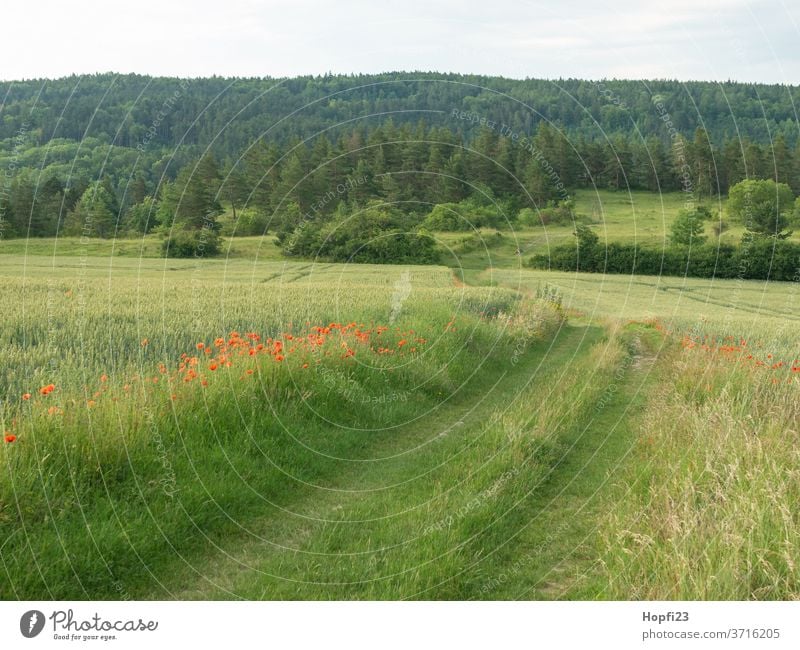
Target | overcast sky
(683,39)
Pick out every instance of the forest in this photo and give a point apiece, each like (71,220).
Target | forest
(120,155)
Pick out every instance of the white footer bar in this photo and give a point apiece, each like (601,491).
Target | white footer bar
(389,625)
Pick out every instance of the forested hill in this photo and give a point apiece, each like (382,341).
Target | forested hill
(229,114)
(108,155)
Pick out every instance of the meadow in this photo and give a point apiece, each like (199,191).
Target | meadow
(252,427)
(626,217)
(144,403)
(704,507)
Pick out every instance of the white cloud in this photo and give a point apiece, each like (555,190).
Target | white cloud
(718,39)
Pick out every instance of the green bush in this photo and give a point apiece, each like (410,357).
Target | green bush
(204,242)
(376,235)
(249,222)
(476,241)
(760,259)
(464,216)
(688,227)
(763,206)
(556,213)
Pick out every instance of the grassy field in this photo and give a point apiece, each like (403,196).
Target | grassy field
(643,217)
(625,217)
(723,306)
(149,246)
(149,403)
(704,508)
(255,428)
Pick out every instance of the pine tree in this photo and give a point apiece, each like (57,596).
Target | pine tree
(94,213)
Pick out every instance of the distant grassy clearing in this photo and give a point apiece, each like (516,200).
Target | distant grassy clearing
(741,305)
(644,217)
(625,217)
(252,248)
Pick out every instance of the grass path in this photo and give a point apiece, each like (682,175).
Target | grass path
(554,556)
(378,531)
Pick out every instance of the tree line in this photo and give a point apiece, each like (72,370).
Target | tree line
(132,110)
(268,187)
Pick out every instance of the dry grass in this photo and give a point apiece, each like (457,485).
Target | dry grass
(713,512)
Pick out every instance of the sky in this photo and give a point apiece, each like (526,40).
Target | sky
(751,41)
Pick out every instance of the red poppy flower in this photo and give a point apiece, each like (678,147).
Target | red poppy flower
(10,437)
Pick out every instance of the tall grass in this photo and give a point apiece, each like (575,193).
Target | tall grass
(142,457)
(447,519)
(713,510)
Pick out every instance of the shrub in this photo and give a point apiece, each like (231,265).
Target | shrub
(760,259)
(688,227)
(204,242)
(476,241)
(464,216)
(555,214)
(249,222)
(375,235)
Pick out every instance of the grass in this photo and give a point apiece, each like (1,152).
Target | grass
(134,461)
(149,246)
(645,447)
(636,216)
(709,507)
(399,536)
(625,217)
(730,306)
(704,510)
(553,555)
